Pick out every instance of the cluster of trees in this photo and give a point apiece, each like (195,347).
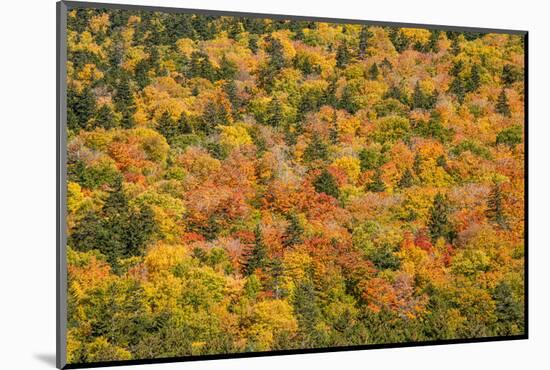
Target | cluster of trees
(245,184)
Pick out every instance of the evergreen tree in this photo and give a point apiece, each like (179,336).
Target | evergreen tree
(508,310)
(184,124)
(342,55)
(495,207)
(418,98)
(326,183)
(455,46)
(200,66)
(502,106)
(439,223)
(458,88)
(417,164)
(406,180)
(373,72)
(256,255)
(316,149)
(377,184)
(81,108)
(275,113)
(474,81)
(141,73)
(167,126)
(294,231)
(363,41)
(230,89)
(433,44)
(510,74)
(105,117)
(118,231)
(369,159)
(307,312)
(228,70)
(124,102)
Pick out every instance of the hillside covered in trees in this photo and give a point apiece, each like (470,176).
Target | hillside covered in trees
(242,184)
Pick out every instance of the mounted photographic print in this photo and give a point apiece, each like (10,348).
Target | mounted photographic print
(235,185)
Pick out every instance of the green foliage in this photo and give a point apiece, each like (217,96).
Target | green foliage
(510,136)
(326,183)
(502,106)
(439,224)
(495,206)
(316,150)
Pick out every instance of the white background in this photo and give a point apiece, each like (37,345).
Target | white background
(27,182)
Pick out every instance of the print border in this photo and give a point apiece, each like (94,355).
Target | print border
(62,7)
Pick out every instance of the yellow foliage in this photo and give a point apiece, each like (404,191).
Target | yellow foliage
(350,165)
(74,196)
(420,35)
(161,258)
(99,23)
(234,136)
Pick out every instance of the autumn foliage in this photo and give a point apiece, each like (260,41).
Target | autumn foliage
(245,184)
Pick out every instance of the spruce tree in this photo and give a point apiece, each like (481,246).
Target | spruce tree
(373,72)
(167,126)
(316,149)
(307,312)
(184,124)
(326,183)
(502,106)
(342,55)
(474,81)
(294,231)
(228,70)
(255,257)
(495,207)
(377,185)
(105,117)
(439,224)
(406,181)
(363,41)
(275,113)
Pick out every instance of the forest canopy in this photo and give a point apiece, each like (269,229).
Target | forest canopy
(247,184)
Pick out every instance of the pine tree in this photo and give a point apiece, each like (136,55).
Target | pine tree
(307,312)
(458,88)
(495,207)
(256,255)
(184,124)
(363,41)
(316,149)
(474,81)
(455,46)
(167,126)
(417,164)
(293,232)
(105,117)
(342,55)
(509,75)
(373,72)
(406,181)
(509,311)
(275,113)
(81,108)
(433,44)
(124,102)
(418,98)
(228,70)
(377,184)
(439,223)
(502,106)
(334,132)
(326,183)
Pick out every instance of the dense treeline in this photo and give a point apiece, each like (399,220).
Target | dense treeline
(244,184)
